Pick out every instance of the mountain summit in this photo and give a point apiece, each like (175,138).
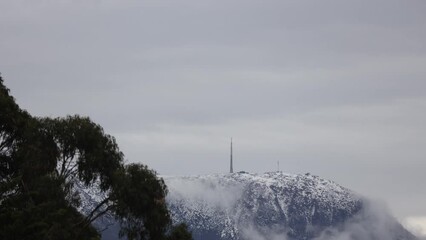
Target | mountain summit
(269,206)
(276,205)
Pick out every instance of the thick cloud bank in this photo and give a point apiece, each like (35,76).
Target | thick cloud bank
(373,222)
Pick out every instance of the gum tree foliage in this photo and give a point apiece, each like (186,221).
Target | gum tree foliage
(134,208)
(41,160)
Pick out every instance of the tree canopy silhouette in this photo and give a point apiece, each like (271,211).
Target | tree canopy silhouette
(42,159)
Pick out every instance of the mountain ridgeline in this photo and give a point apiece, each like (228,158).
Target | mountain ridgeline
(274,206)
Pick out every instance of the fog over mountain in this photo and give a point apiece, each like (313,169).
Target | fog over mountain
(275,205)
(270,206)
(335,88)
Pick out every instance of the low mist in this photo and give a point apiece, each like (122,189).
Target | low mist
(219,197)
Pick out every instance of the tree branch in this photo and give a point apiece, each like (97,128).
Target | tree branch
(99,214)
(91,216)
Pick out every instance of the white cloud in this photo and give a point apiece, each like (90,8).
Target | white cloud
(417,225)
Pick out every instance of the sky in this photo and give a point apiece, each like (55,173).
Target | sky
(334,88)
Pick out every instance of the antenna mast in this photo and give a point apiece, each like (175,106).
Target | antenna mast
(231,169)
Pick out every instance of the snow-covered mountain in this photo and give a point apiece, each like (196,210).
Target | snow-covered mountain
(272,206)
(276,205)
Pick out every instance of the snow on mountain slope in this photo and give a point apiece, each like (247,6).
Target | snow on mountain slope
(231,206)
(276,205)
(271,206)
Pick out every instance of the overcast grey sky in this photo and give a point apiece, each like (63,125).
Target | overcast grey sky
(335,88)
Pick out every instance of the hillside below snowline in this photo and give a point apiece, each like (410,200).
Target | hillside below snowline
(268,206)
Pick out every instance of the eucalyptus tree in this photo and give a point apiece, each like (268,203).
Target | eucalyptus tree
(41,160)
